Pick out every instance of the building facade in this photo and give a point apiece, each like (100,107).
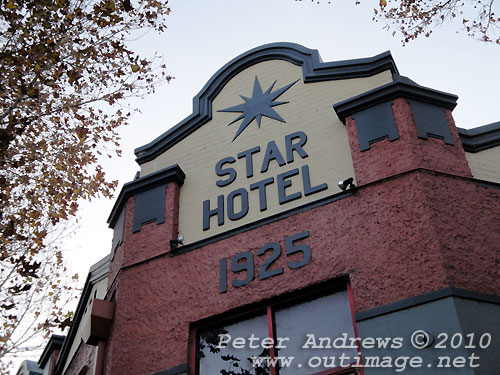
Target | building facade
(308,217)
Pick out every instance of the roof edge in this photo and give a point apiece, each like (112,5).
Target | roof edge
(55,342)
(425,298)
(172,173)
(480,138)
(401,87)
(96,272)
(313,70)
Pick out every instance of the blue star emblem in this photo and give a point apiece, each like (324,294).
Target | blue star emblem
(260,104)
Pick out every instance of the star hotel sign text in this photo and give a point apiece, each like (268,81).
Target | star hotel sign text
(236,205)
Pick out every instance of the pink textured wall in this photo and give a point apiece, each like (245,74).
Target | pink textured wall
(408,235)
(418,223)
(137,246)
(51,365)
(385,158)
(84,357)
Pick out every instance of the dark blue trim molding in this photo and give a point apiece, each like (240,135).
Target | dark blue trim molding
(173,173)
(480,138)
(55,343)
(311,205)
(96,273)
(267,220)
(177,370)
(401,87)
(426,298)
(313,70)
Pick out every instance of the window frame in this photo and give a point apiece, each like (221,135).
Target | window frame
(268,308)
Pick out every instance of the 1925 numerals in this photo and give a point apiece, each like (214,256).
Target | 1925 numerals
(244,261)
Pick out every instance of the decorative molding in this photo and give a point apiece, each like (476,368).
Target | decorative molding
(401,87)
(480,138)
(176,370)
(282,215)
(56,342)
(313,70)
(256,224)
(96,273)
(118,231)
(426,298)
(173,173)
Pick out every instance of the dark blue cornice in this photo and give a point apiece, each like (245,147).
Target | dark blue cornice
(313,70)
(448,292)
(401,87)
(480,138)
(55,343)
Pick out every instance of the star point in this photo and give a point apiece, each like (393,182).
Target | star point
(258,105)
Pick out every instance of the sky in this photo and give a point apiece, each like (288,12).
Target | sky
(204,35)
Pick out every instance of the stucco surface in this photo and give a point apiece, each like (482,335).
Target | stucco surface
(84,357)
(404,236)
(138,245)
(418,223)
(385,158)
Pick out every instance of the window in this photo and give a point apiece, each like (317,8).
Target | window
(308,334)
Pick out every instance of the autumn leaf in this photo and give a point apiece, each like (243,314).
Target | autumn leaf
(10,5)
(63,82)
(415,18)
(412,19)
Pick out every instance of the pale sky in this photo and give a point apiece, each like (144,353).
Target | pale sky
(204,35)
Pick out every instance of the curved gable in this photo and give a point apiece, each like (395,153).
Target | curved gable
(313,70)
(263,138)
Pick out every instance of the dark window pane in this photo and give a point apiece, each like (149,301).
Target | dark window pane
(305,323)
(216,358)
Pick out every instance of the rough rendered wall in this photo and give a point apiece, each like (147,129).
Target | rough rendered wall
(84,357)
(385,158)
(395,239)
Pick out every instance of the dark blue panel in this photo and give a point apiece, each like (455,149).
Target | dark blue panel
(174,173)
(401,87)
(118,231)
(458,324)
(483,321)
(427,298)
(149,207)
(374,124)
(431,121)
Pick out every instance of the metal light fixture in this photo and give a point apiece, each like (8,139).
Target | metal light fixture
(347,184)
(175,243)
